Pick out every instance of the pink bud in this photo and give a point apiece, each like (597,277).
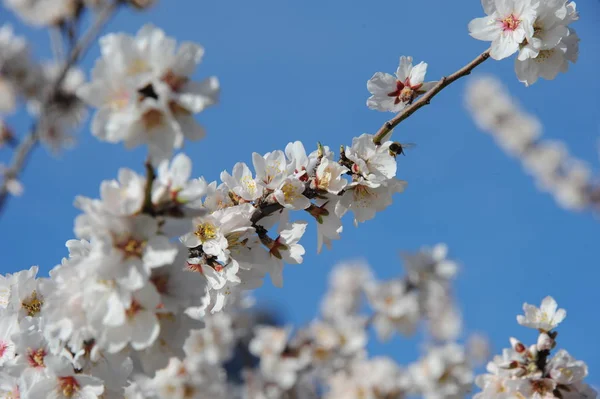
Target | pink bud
(517,345)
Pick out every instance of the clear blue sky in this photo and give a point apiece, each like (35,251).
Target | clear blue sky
(297,70)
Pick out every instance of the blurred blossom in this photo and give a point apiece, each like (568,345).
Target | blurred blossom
(478,349)
(43,12)
(519,134)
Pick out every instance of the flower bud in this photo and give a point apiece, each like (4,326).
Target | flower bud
(544,342)
(517,345)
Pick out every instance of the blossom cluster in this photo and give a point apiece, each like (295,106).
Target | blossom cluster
(534,372)
(58,110)
(60,13)
(143,91)
(155,254)
(234,354)
(568,179)
(328,357)
(538,30)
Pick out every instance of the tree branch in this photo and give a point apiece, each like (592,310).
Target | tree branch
(23,151)
(426,98)
(148,207)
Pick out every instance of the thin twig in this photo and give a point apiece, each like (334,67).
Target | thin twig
(426,98)
(27,145)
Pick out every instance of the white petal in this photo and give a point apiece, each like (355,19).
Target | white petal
(190,240)
(196,96)
(489,6)
(188,56)
(549,305)
(145,330)
(181,169)
(259,165)
(381,83)
(504,46)
(190,127)
(417,74)
(384,103)
(504,7)
(527,71)
(404,68)
(292,232)
(559,316)
(484,28)
(159,251)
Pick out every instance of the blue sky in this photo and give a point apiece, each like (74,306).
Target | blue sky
(294,70)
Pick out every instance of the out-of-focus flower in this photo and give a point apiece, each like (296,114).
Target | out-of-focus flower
(143,90)
(568,179)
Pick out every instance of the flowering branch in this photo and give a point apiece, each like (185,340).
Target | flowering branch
(24,149)
(149,304)
(426,99)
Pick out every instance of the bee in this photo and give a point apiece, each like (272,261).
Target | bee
(398,148)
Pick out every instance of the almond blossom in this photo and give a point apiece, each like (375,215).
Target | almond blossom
(391,93)
(144,94)
(523,371)
(43,12)
(285,248)
(290,194)
(329,177)
(507,25)
(550,62)
(64,383)
(545,318)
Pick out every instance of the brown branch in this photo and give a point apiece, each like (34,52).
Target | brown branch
(426,99)
(23,151)
(148,207)
(264,211)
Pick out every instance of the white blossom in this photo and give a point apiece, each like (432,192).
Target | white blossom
(396,308)
(374,163)
(8,326)
(391,93)
(549,62)
(63,382)
(290,194)
(270,168)
(42,12)
(241,182)
(545,318)
(285,248)
(329,176)
(443,372)
(372,378)
(507,25)
(214,343)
